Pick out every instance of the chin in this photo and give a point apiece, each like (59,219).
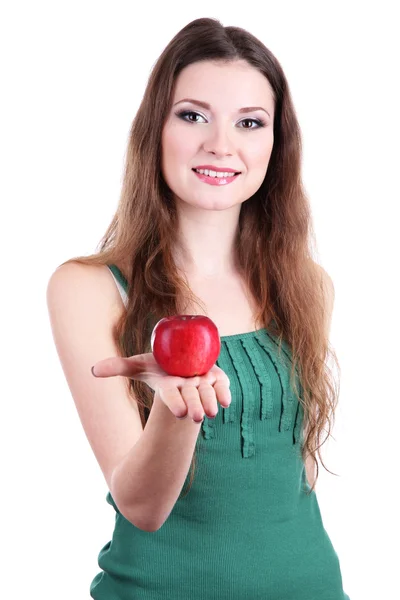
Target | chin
(215,204)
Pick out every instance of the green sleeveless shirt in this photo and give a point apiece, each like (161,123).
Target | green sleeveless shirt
(246,530)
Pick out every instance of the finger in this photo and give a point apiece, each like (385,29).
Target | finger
(223,393)
(192,400)
(118,365)
(209,377)
(189,381)
(208,399)
(173,400)
(220,375)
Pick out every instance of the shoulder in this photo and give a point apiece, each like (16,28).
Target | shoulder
(94,283)
(328,291)
(75,269)
(84,306)
(328,287)
(326,280)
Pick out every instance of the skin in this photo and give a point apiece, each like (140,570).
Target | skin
(220,136)
(208,215)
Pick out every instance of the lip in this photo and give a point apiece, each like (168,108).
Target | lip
(216,180)
(218,169)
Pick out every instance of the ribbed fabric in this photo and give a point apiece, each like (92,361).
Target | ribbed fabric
(246,530)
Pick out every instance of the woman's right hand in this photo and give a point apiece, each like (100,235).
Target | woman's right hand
(184,396)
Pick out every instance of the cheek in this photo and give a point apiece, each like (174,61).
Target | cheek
(168,146)
(169,156)
(177,146)
(258,163)
(260,154)
(175,157)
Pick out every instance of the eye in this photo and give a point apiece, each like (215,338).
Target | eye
(256,121)
(186,113)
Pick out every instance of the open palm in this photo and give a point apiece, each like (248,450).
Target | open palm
(176,392)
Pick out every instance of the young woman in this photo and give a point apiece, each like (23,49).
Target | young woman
(213,219)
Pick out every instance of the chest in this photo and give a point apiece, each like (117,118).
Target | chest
(227,303)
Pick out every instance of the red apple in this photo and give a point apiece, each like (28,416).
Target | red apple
(185,345)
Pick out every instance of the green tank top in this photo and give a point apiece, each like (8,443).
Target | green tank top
(246,529)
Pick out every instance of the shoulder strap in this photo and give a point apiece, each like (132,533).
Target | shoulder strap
(120,281)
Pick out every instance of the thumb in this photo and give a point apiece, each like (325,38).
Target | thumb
(118,365)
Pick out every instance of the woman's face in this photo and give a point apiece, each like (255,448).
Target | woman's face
(219,135)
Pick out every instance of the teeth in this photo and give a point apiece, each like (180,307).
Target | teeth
(214,173)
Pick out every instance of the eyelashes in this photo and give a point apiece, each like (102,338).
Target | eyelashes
(184,113)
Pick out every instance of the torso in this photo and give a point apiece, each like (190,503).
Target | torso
(227,305)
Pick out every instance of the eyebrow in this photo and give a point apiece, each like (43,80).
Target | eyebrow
(207,106)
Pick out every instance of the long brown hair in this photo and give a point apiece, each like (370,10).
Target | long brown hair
(274,244)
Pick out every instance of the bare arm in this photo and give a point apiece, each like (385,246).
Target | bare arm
(310,470)
(145,469)
(150,476)
(149,479)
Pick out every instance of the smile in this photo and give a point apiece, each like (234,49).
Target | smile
(216,180)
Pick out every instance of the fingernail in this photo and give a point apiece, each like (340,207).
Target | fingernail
(93,373)
(198,421)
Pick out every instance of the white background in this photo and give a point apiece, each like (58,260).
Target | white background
(73,75)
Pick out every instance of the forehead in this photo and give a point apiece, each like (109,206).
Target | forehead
(224,86)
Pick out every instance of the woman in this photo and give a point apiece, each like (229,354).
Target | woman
(213,219)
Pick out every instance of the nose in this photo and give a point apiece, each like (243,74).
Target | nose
(218,142)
